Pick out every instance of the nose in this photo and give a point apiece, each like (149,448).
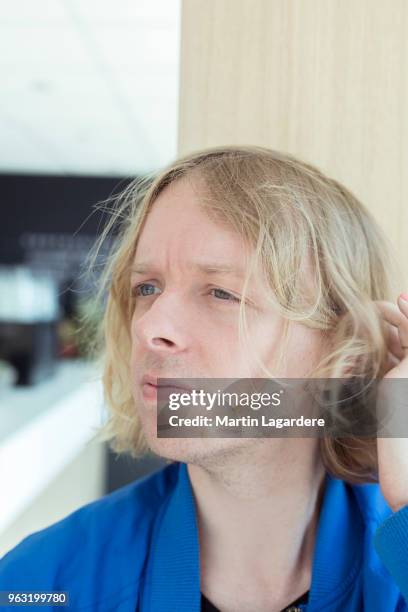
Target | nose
(163,327)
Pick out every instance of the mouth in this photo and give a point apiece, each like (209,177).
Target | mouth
(150,387)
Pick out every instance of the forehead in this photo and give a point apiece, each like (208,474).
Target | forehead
(179,233)
(177,226)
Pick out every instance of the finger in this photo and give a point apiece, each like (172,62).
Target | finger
(397,316)
(391,313)
(403,329)
(392,361)
(393,341)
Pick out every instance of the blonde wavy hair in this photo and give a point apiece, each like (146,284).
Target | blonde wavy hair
(286,210)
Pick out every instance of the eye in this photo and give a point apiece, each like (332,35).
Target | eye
(224,295)
(143,290)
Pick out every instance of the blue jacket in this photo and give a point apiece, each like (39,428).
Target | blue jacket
(139,546)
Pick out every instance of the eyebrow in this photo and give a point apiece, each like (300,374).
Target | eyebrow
(204,267)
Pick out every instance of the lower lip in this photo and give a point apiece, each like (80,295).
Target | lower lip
(150,391)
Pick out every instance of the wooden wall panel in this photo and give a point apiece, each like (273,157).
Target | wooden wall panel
(326,80)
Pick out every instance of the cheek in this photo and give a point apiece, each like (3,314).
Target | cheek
(264,337)
(306,348)
(134,354)
(309,342)
(135,339)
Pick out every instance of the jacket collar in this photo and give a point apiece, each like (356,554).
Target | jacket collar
(172,578)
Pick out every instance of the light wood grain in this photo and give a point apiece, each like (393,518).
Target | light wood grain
(326,80)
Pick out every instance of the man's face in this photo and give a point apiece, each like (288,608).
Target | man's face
(189,274)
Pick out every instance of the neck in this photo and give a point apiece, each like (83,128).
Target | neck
(257,516)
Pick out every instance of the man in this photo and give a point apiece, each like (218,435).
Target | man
(238,524)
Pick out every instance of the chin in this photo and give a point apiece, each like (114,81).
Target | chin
(197,451)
